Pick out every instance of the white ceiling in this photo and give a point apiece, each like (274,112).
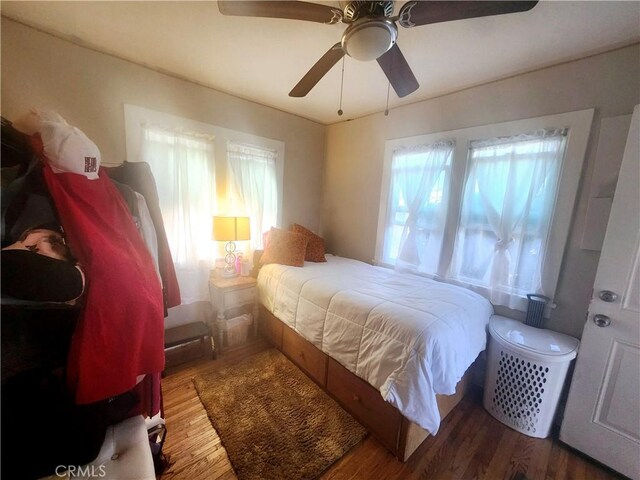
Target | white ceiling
(261,59)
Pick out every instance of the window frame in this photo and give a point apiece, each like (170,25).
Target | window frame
(578,124)
(136,116)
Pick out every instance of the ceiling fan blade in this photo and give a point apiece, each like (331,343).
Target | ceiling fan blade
(311,12)
(397,70)
(413,14)
(318,71)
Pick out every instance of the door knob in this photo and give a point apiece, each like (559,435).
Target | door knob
(608,296)
(601,320)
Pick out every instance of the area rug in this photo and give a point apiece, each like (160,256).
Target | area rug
(274,422)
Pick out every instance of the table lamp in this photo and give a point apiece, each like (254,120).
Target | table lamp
(230,230)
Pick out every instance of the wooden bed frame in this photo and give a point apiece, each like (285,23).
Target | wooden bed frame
(399,435)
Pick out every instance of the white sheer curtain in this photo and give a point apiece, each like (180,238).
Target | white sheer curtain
(417,206)
(252,186)
(507,206)
(183,166)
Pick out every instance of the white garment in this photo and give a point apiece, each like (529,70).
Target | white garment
(148,231)
(66,147)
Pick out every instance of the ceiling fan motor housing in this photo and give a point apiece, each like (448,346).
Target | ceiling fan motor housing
(365,8)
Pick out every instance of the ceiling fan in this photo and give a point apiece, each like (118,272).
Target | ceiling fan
(372,30)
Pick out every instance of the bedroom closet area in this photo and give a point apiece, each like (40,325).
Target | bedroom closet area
(87,279)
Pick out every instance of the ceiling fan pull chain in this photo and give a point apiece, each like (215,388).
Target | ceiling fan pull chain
(341,86)
(386,109)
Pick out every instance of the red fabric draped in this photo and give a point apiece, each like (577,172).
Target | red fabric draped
(120,332)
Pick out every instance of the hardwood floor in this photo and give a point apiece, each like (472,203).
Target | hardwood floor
(470,444)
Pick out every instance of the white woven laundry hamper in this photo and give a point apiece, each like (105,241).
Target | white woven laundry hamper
(526,370)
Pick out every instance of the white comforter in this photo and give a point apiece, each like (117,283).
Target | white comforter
(408,336)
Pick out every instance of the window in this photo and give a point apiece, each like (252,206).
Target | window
(183,167)
(417,206)
(507,204)
(195,183)
(488,208)
(252,186)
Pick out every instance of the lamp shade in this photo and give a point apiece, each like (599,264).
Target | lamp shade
(231,229)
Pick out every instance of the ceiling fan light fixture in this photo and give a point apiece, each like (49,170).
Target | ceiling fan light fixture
(372,30)
(370,39)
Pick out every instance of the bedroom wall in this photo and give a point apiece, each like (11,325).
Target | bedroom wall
(354,155)
(89,90)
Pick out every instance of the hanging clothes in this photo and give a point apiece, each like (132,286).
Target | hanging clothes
(139,177)
(120,332)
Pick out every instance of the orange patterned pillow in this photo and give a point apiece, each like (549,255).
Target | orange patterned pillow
(285,248)
(315,247)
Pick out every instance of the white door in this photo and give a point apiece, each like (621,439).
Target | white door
(602,418)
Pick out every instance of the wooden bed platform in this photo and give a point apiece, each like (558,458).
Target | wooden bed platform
(398,435)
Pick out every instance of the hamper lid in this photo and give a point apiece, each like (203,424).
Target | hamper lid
(538,340)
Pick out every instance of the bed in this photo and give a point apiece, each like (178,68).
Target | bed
(392,348)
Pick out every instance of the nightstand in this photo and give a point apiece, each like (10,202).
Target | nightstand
(232,293)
